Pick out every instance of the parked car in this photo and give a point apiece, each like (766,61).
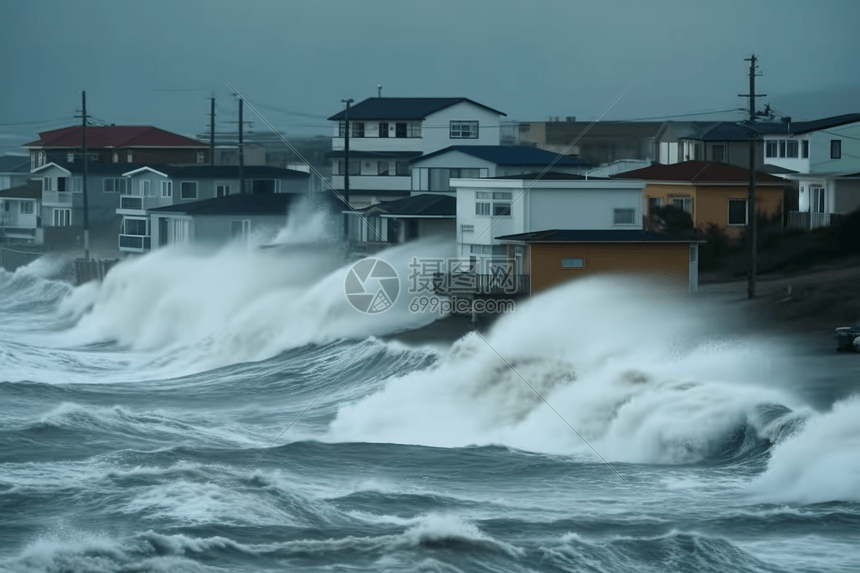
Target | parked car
(848,337)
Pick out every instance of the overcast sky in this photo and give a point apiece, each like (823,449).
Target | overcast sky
(157,62)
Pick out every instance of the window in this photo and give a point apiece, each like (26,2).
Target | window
(402,168)
(354,167)
(40,158)
(791,148)
(129,157)
(835,149)
(400,129)
(817,200)
(684,204)
(167,188)
(694,254)
(116,185)
(572,263)
(463,129)
(383,129)
(240,229)
(222,190)
(718,153)
(62,217)
(497,203)
(135,227)
(737,211)
(341,129)
(357,129)
(115,157)
(146,188)
(623,216)
(26,207)
(383,168)
(407,129)
(188,190)
(654,203)
(77,184)
(770,148)
(804,148)
(201,157)
(440,177)
(782,148)
(70,157)
(46,184)
(61,183)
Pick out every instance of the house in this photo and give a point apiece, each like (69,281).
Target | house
(220,220)
(829,145)
(712,193)
(398,221)
(489,208)
(20,209)
(62,210)
(386,133)
(595,143)
(551,257)
(432,172)
(824,198)
(152,187)
(130,144)
(14,171)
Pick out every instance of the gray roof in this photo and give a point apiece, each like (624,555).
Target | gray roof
(523,155)
(230,172)
(14,164)
(402,107)
(241,204)
(423,205)
(595,236)
(30,190)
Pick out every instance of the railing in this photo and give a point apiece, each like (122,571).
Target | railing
(135,243)
(139,203)
(472,283)
(808,221)
(56,198)
(18,231)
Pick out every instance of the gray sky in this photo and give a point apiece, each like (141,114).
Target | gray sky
(157,62)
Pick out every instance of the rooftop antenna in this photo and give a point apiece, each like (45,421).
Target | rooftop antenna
(378,90)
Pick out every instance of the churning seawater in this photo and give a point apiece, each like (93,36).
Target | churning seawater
(130,408)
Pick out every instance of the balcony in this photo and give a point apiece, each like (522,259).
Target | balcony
(136,205)
(56,198)
(134,243)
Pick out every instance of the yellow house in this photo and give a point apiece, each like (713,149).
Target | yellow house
(557,256)
(712,193)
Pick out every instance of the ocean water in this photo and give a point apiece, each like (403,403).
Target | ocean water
(598,427)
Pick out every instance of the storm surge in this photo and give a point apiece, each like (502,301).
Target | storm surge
(237,304)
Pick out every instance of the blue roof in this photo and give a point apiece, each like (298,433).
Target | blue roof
(402,107)
(423,205)
(511,155)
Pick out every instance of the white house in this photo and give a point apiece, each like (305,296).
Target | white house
(20,209)
(386,133)
(489,208)
(830,145)
(824,197)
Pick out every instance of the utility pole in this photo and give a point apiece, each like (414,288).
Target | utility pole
(241,150)
(212,133)
(346,165)
(752,223)
(84,117)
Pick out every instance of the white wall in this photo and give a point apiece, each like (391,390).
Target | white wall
(435,134)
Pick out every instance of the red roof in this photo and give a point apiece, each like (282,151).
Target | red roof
(114,136)
(698,172)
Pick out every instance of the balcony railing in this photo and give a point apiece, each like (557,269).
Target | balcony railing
(139,203)
(808,221)
(134,243)
(473,283)
(56,198)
